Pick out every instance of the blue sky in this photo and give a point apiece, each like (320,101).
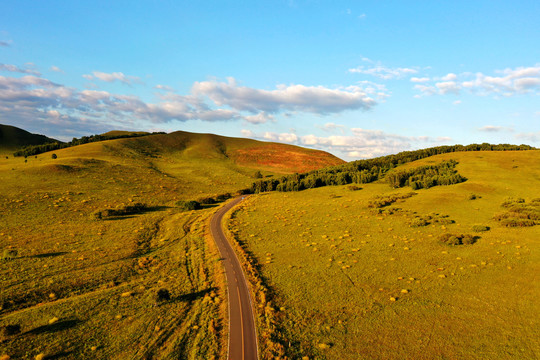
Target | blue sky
(355,78)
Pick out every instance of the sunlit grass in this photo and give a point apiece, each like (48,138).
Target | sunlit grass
(370,283)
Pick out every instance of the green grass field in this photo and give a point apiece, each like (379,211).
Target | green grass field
(358,282)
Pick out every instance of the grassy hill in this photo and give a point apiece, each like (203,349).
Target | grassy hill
(370,272)
(12,138)
(124,284)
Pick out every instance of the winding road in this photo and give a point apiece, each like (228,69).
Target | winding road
(242,333)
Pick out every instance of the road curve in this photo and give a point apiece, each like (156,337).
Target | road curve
(242,333)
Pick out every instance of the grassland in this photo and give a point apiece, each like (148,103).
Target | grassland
(356,280)
(135,285)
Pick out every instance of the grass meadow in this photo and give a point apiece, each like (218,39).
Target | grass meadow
(352,280)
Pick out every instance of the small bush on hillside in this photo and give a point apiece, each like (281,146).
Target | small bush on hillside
(418,222)
(354,188)
(163,295)
(223,197)
(136,208)
(9,330)
(189,205)
(474,197)
(453,239)
(257,175)
(382,201)
(480,228)
(8,254)
(207,201)
(54,156)
(510,201)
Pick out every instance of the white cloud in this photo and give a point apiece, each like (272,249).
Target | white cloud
(533,137)
(14,68)
(314,99)
(419,80)
(449,77)
(457,102)
(507,82)
(448,87)
(247,133)
(289,138)
(494,128)
(362,16)
(381,71)
(331,127)
(112,77)
(56,69)
(259,118)
(164,87)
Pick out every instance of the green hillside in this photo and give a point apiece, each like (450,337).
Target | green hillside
(12,138)
(96,255)
(367,271)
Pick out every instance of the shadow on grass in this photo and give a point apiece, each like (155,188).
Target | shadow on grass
(193,296)
(46,255)
(59,355)
(132,215)
(57,326)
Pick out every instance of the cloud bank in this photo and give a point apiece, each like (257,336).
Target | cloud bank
(360,144)
(36,101)
(507,82)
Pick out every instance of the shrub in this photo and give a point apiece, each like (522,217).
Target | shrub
(54,156)
(473,197)
(189,205)
(480,228)
(136,208)
(8,254)
(257,175)
(223,197)
(9,330)
(207,201)
(163,295)
(354,188)
(417,222)
(453,239)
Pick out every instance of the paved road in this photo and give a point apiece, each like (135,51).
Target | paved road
(242,334)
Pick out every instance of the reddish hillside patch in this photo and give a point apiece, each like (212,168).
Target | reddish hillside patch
(284,158)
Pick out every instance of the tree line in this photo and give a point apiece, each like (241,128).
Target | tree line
(31,150)
(366,171)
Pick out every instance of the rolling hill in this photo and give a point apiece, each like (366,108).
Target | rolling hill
(12,138)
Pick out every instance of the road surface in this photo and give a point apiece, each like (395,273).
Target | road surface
(242,334)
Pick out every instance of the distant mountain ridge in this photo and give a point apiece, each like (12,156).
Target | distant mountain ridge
(12,138)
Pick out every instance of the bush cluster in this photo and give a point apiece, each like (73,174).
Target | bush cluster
(136,208)
(189,205)
(519,213)
(453,239)
(480,228)
(385,200)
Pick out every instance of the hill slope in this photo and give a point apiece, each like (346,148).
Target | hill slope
(273,157)
(12,138)
(79,283)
